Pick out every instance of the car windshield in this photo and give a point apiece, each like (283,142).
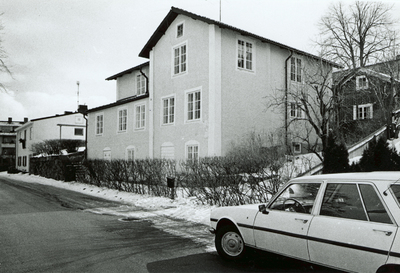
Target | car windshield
(396,191)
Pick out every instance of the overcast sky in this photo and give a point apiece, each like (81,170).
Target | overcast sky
(52,44)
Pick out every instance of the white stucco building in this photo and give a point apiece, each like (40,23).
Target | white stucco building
(203,88)
(67,126)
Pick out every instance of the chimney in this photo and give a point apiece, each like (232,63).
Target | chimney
(82,109)
(25,120)
(9,120)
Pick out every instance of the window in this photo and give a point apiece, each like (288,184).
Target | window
(19,161)
(297,197)
(343,201)
(193,105)
(168,110)
(179,30)
(364,111)
(361,82)
(130,153)
(296,111)
(295,69)
(375,209)
(140,117)
(31,133)
(78,131)
(296,148)
(99,124)
(180,59)
(122,120)
(245,55)
(24,161)
(140,85)
(192,152)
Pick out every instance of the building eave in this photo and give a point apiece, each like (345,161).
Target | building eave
(174,12)
(118,103)
(128,71)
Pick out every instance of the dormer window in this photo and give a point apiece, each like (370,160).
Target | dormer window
(140,85)
(179,30)
(361,82)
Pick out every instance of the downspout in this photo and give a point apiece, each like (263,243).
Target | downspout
(147,80)
(86,134)
(286,100)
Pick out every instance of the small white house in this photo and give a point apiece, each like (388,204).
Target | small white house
(67,126)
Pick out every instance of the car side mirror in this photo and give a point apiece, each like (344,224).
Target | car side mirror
(263,209)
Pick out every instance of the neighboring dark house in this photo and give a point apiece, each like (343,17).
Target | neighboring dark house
(367,98)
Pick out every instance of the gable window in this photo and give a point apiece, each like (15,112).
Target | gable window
(180,55)
(364,111)
(179,30)
(140,119)
(297,148)
(168,110)
(122,120)
(295,69)
(193,105)
(245,55)
(78,131)
(361,82)
(140,85)
(295,110)
(99,124)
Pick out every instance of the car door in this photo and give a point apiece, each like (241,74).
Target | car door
(353,230)
(283,227)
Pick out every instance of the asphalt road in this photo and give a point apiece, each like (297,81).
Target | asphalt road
(47,229)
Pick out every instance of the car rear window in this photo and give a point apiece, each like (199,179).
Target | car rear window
(396,191)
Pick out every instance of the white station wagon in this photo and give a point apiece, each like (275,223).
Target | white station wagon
(344,221)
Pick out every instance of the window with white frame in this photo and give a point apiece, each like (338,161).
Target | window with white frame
(245,55)
(140,85)
(140,116)
(179,30)
(99,124)
(180,57)
(122,120)
(296,148)
(295,110)
(295,69)
(192,151)
(363,111)
(130,153)
(361,82)
(193,99)
(168,110)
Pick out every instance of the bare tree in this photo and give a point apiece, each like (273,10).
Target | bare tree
(311,106)
(3,56)
(357,35)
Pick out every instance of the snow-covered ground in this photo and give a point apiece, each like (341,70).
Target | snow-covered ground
(182,216)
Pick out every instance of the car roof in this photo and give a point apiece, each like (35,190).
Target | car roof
(389,177)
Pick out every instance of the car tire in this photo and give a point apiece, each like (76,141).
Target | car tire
(229,243)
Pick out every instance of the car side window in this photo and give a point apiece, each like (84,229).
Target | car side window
(375,209)
(344,201)
(297,197)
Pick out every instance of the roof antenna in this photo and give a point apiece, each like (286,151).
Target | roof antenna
(77,93)
(220,10)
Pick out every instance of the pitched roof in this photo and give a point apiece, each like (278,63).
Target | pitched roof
(174,12)
(119,102)
(343,76)
(130,70)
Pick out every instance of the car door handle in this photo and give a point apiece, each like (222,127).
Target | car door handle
(303,220)
(387,233)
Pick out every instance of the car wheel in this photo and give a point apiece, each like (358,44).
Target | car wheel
(229,243)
